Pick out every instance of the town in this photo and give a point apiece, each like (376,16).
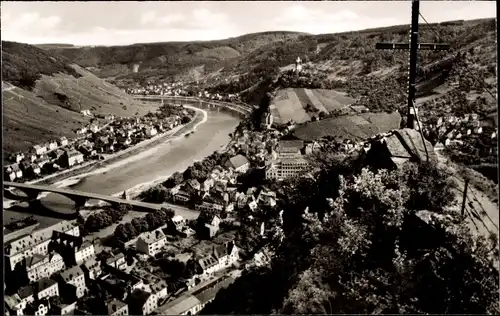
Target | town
(163,263)
(103,138)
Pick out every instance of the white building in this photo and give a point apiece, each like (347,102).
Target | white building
(73,157)
(63,141)
(239,163)
(286,167)
(117,307)
(40,149)
(83,252)
(141,302)
(52,145)
(46,287)
(151,131)
(37,242)
(76,277)
(151,243)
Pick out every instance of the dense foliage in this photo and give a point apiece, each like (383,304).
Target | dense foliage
(150,222)
(365,246)
(105,218)
(23,64)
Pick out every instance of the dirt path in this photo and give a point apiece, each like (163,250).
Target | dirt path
(481,212)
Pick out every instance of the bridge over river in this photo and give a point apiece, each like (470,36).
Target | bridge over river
(80,198)
(240,109)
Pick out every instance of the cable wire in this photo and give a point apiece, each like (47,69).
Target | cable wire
(465,66)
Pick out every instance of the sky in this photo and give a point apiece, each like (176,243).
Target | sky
(123,23)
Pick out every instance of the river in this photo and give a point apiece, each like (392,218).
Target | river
(141,170)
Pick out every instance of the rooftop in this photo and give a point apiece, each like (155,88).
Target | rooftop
(180,305)
(138,297)
(45,283)
(71,273)
(238,161)
(151,237)
(115,305)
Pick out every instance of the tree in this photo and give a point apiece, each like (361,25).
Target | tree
(361,255)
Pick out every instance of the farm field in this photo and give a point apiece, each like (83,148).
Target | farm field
(290,104)
(354,127)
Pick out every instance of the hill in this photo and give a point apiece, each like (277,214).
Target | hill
(43,95)
(168,59)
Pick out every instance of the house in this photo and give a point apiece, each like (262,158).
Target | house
(36,266)
(18,157)
(141,302)
(34,169)
(179,222)
(82,131)
(91,268)
(74,276)
(84,251)
(13,172)
(46,288)
(75,248)
(193,184)
(181,196)
(87,150)
(289,148)
(183,305)
(85,112)
(72,157)
(117,307)
(52,145)
(207,224)
(151,243)
(94,128)
(151,131)
(239,163)
(63,141)
(31,157)
(38,307)
(40,149)
(14,304)
(208,264)
(63,309)
(226,254)
(160,289)
(209,206)
(42,160)
(117,261)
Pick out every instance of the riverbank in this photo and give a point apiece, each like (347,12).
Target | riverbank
(68,177)
(138,153)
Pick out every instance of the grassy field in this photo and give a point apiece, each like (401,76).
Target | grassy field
(290,104)
(354,127)
(38,116)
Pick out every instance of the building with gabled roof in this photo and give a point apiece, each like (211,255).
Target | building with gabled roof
(46,287)
(37,242)
(141,302)
(117,307)
(151,243)
(76,277)
(239,163)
